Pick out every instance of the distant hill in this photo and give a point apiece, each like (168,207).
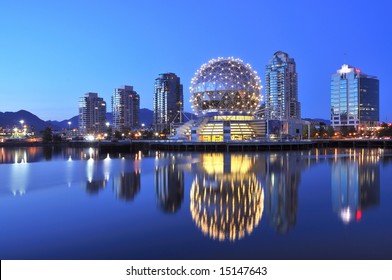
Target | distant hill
(146,117)
(12,119)
(64,124)
(327,122)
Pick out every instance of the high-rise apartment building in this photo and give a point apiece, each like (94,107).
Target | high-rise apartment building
(281,88)
(92,113)
(125,109)
(354,99)
(168,101)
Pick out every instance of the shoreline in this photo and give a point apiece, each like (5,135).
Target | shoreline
(182,146)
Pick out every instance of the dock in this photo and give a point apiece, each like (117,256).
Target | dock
(235,146)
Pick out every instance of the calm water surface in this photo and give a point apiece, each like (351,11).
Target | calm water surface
(79,204)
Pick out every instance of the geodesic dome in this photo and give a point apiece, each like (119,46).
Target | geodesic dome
(225,85)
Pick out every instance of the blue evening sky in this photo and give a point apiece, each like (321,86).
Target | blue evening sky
(52,52)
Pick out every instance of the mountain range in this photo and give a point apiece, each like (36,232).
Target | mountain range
(12,119)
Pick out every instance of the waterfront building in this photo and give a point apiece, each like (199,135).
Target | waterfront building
(125,109)
(225,95)
(282,109)
(92,114)
(168,102)
(354,99)
(281,88)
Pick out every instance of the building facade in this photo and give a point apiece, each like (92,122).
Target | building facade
(354,99)
(225,97)
(281,88)
(168,102)
(125,109)
(92,114)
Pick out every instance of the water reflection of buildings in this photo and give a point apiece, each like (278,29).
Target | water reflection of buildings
(226,198)
(127,185)
(282,178)
(355,184)
(169,186)
(20,155)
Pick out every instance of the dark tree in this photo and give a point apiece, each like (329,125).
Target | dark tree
(47,135)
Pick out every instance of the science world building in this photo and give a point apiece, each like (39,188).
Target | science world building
(225,95)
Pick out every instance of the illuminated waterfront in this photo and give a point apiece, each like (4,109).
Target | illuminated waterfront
(69,203)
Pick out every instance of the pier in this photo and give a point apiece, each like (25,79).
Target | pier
(234,146)
(229,146)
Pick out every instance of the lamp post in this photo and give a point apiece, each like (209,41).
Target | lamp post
(107,129)
(21,124)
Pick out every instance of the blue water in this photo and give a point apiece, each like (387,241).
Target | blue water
(79,204)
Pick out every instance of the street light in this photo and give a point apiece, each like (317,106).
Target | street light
(69,125)
(22,127)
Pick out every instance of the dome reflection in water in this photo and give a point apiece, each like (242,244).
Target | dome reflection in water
(226,198)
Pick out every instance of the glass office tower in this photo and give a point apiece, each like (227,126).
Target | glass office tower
(354,99)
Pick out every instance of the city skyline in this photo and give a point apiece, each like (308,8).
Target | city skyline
(52,53)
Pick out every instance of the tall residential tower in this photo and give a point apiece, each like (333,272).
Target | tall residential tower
(354,99)
(168,101)
(92,113)
(281,88)
(125,109)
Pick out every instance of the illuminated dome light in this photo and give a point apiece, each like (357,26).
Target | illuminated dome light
(225,85)
(228,208)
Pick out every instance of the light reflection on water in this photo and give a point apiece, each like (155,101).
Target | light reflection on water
(227,197)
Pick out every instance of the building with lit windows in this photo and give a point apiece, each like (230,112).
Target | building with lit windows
(354,99)
(125,109)
(281,88)
(282,108)
(225,95)
(92,114)
(168,102)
